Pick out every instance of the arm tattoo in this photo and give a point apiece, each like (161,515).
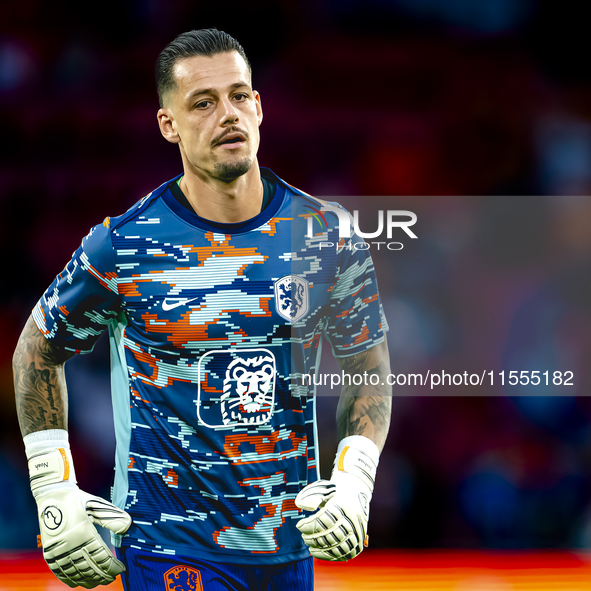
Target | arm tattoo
(39,382)
(365,409)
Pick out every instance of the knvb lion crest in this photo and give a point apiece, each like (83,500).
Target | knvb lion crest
(183,578)
(291,297)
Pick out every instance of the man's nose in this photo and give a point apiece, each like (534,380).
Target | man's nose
(228,111)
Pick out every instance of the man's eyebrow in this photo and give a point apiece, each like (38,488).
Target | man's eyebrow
(201,91)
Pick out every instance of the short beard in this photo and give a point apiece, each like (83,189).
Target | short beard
(230,171)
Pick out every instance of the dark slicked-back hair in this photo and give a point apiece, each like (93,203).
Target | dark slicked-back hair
(205,42)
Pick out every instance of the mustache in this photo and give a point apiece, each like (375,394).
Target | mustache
(227,132)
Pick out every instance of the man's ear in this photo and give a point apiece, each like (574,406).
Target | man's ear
(259,107)
(167,126)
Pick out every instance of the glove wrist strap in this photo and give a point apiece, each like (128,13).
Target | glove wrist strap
(359,456)
(50,459)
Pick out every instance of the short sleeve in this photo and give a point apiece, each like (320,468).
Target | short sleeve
(357,320)
(83,299)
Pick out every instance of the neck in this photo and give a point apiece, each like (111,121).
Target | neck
(224,202)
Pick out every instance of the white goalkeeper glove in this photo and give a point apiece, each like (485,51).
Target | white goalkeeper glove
(338,529)
(72,547)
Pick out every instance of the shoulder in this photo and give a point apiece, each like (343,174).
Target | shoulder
(306,205)
(98,241)
(139,208)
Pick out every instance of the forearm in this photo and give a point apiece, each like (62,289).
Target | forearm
(365,409)
(39,382)
(338,529)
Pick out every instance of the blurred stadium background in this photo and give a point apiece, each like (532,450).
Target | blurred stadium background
(474,114)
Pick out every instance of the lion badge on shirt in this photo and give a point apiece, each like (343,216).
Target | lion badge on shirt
(236,387)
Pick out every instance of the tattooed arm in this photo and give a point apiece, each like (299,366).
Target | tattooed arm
(39,382)
(75,552)
(365,409)
(341,504)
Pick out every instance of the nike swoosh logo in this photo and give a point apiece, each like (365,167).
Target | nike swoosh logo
(166,306)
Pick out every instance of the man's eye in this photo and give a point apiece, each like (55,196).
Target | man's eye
(202,104)
(241,96)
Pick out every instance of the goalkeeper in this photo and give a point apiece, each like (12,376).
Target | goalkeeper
(216,298)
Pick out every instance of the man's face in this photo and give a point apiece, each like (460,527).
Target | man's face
(214,115)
